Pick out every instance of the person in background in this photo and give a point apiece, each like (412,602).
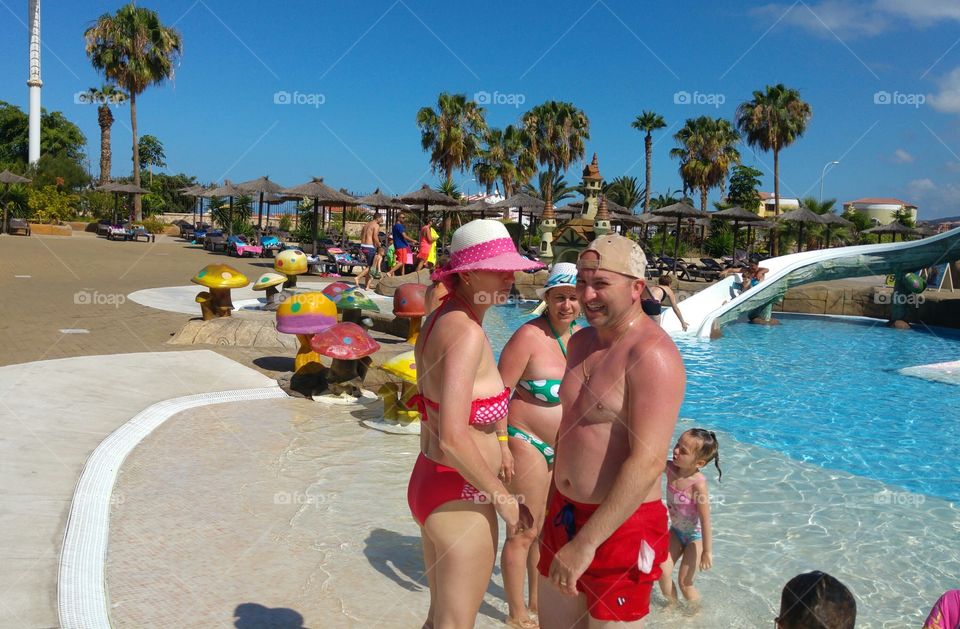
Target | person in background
(816,600)
(370,238)
(427,240)
(401,246)
(655,296)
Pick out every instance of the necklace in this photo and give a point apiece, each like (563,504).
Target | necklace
(583,364)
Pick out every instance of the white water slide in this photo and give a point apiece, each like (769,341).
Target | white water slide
(713,306)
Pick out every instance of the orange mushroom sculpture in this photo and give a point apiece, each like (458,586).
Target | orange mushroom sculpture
(409,302)
(348,345)
(220,279)
(306,314)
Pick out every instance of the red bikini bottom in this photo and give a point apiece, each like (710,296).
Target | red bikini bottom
(432,485)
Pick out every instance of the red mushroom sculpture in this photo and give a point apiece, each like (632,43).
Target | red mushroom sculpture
(347,344)
(409,302)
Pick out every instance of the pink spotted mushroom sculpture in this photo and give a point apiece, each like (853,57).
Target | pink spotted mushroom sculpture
(349,346)
(409,302)
(290,262)
(306,314)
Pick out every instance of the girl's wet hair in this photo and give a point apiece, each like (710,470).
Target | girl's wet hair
(709,447)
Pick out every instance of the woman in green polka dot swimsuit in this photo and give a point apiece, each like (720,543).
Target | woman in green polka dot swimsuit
(532,363)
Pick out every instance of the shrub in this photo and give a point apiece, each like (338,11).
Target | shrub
(285,223)
(153,225)
(51,205)
(719,243)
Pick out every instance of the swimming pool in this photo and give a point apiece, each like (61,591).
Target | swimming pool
(823,391)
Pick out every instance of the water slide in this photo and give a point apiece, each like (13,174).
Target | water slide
(714,306)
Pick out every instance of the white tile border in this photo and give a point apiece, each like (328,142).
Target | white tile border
(81,586)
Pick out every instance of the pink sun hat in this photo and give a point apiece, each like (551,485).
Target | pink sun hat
(483,245)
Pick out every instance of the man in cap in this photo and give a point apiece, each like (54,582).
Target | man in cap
(605,533)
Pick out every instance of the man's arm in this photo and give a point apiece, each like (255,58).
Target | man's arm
(655,382)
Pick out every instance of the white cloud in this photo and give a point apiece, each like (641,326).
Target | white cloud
(953,167)
(827,18)
(933,200)
(922,12)
(900,156)
(948,98)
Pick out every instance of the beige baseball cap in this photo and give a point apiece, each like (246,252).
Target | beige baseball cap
(617,254)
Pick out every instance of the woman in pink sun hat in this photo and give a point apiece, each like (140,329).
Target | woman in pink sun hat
(455,494)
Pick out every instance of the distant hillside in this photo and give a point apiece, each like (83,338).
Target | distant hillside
(947,219)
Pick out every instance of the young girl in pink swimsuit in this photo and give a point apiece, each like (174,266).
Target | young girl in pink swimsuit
(688,503)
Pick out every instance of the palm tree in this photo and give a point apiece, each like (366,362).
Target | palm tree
(449,188)
(555,134)
(105,96)
(772,121)
(134,50)
(452,133)
(706,148)
(151,153)
(625,191)
(663,200)
(552,181)
(648,122)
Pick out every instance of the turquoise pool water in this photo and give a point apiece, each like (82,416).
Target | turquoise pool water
(823,391)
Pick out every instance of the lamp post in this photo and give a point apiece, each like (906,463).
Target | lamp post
(823,174)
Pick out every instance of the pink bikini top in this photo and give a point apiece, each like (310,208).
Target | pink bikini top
(483,411)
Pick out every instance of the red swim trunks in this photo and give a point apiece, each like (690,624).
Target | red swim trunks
(619,581)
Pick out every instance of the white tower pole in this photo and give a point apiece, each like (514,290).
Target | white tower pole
(34,82)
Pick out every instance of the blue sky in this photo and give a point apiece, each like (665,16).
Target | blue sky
(882,76)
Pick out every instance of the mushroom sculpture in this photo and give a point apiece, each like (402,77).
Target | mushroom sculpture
(352,301)
(348,345)
(269,282)
(306,314)
(219,278)
(397,416)
(333,289)
(290,262)
(409,303)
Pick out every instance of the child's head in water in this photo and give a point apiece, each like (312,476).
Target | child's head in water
(697,447)
(816,600)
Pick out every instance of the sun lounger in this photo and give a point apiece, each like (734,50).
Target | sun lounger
(139,232)
(18,224)
(117,232)
(684,271)
(213,243)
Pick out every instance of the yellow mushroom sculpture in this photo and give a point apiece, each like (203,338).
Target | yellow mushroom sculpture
(290,262)
(306,314)
(220,279)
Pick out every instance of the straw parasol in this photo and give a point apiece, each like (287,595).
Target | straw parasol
(261,185)
(226,190)
(120,188)
(830,219)
(681,211)
(801,215)
(736,214)
(7,178)
(322,194)
(197,192)
(377,200)
(427,196)
(893,229)
(480,206)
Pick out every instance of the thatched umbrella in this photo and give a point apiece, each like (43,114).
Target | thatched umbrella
(427,196)
(801,215)
(893,229)
(681,211)
(260,185)
(521,201)
(377,200)
(736,214)
(830,219)
(226,190)
(117,189)
(480,206)
(270,198)
(7,178)
(197,192)
(322,194)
